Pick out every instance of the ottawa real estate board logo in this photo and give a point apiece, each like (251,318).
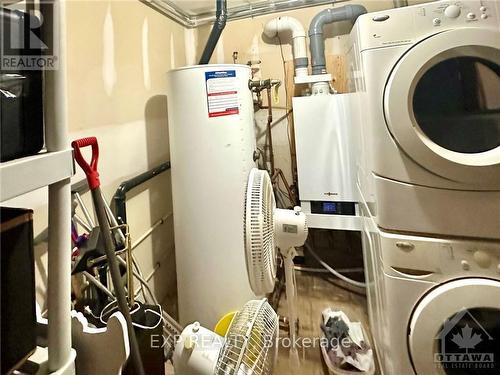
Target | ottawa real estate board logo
(463,343)
(23,46)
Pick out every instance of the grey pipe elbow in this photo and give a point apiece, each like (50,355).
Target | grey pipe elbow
(317,43)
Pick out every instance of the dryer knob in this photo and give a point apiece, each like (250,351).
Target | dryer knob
(465,265)
(482,258)
(452,11)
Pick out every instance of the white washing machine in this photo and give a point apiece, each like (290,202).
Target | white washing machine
(428,81)
(434,304)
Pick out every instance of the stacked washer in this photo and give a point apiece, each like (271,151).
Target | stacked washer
(428,80)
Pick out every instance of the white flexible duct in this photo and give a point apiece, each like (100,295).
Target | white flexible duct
(282,24)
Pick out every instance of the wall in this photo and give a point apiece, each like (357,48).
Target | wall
(245,37)
(118,54)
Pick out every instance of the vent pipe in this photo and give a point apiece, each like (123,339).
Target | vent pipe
(400,3)
(317,43)
(213,38)
(282,24)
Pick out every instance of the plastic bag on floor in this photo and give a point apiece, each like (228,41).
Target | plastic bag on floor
(346,341)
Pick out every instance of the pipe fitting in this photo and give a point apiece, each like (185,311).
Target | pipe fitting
(282,24)
(317,43)
(219,25)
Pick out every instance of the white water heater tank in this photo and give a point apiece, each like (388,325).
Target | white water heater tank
(212,145)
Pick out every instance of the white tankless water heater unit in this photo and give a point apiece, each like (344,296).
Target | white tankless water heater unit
(212,145)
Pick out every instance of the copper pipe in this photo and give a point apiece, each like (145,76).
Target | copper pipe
(268,129)
(279,173)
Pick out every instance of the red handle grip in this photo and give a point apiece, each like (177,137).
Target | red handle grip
(89,169)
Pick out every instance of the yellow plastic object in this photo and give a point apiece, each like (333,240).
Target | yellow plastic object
(224,323)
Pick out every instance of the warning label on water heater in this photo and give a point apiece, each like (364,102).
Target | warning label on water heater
(222,93)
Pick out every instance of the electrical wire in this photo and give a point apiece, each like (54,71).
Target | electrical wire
(291,149)
(324,270)
(331,270)
(171,321)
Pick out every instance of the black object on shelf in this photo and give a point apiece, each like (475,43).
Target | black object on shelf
(17,295)
(21,103)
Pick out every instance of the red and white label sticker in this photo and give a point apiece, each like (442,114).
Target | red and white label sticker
(222,93)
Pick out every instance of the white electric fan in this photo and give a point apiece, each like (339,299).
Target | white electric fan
(246,349)
(268,227)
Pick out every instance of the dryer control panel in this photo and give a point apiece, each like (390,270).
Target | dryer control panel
(437,257)
(410,24)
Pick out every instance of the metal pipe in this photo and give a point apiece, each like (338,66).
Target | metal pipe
(121,298)
(250,10)
(119,198)
(275,122)
(84,209)
(317,43)
(150,230)
(98,284)
(213,38)
(59,204)
(268,127)
(84,225)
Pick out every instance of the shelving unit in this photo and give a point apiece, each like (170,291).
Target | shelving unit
(20,176)
(54,169)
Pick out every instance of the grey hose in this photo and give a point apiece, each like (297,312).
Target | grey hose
(332,271)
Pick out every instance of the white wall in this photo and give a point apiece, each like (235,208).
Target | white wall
(118,54)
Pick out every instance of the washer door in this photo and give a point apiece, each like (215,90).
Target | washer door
(442,104)
(455,329)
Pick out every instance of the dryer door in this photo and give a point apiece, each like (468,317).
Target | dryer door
(442,104)
(455,329)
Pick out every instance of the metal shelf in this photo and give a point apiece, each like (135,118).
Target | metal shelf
(339,222)
(26,174)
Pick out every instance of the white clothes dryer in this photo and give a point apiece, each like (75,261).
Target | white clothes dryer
(427,79)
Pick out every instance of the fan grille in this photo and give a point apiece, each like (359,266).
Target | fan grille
(259,232)
(249,344)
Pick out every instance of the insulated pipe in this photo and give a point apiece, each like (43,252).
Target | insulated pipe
(317,43)
(213,38)
(281,24)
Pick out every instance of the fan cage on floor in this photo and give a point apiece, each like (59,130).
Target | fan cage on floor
(250,342)
(259,232)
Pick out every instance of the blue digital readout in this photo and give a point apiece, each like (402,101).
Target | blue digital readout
(329,207)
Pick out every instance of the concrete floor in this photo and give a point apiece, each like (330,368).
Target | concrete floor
(316,293)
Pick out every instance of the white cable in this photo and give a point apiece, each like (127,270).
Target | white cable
(323,270)
(167,318)
(331,270)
